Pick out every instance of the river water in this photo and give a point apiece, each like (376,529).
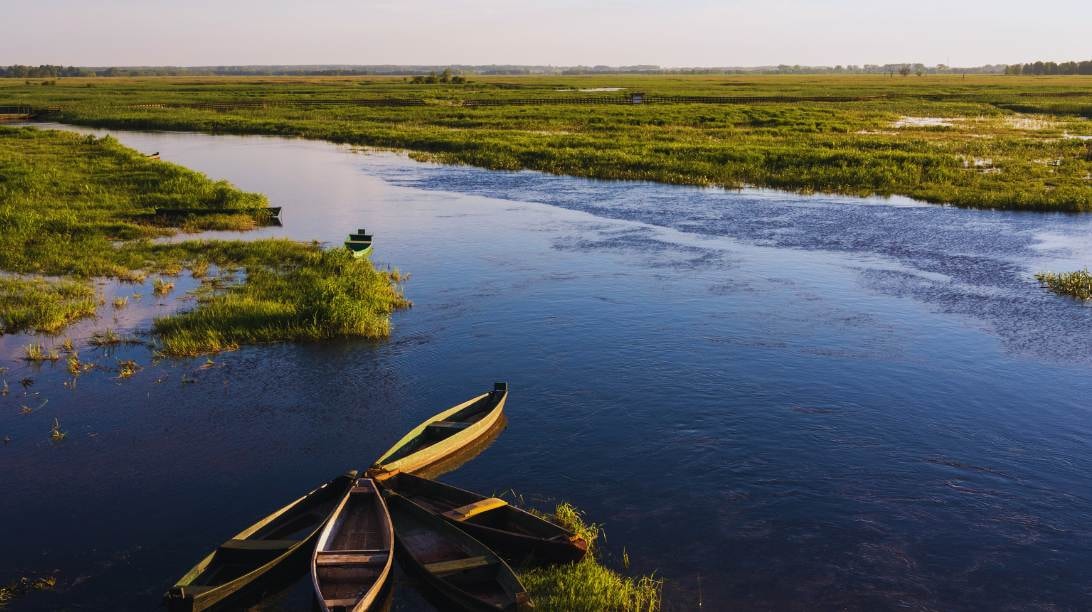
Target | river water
(772,401)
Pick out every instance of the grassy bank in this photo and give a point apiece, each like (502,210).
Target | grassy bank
(588,586)
(982,141)
(75,207)
(1074,284)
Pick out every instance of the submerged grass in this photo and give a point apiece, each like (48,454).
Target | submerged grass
(80,207)
(905,136)
(1074,284)
(589,586)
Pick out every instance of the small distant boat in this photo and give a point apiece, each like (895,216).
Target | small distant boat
(360,243)
(239,564)
(445,433)
(460,567)
(515,534)
(153,155)
(353,557)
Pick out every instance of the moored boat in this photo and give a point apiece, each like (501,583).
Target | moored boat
(459,567)
(517,535)
(445,433)
(360,243)
(352,560)
(239,566)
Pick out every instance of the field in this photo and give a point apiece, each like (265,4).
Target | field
(74,208)
(979,141)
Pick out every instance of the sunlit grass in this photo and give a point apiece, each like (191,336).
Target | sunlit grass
(588,586)
(1074,284)
(37,304)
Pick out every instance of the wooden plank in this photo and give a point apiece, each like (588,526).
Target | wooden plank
(452,425)
(457,565)
(463,513)
(340,558)
(340,603)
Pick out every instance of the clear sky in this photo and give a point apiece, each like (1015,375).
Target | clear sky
(558,32)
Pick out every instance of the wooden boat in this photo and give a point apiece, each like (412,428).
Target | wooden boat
(459,567)
(153,155)
(239,565)
(359,248)
(517,535)
(353,557)
(445,433)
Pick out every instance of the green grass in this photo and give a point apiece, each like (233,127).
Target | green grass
(1074,284)
(79,207)
(42,305)
(1019,124)
(588,586)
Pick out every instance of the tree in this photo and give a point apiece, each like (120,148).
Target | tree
(904,70)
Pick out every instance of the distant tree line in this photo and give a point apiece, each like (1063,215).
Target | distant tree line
(1041,68)
(443,77)
(43,71)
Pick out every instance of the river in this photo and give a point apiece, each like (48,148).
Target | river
(772,401)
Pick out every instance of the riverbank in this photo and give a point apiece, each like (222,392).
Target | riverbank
(74,208)
(981,142)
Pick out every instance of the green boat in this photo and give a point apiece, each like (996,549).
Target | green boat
(445,433)
(238,568)
(459,567)
(515,534)
(360,243)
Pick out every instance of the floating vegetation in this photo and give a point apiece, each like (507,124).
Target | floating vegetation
(38,353)
(17,588)
(589,586)
(56,434)
(161,287)
(74,366)
(67,346)
(127,368)
(1074,284)
(105,338)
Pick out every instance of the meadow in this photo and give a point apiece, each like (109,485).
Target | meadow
(74,208)
(981,141)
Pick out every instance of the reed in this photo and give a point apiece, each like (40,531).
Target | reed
(161,287)
(589,586)
(37,352)
(1074,284)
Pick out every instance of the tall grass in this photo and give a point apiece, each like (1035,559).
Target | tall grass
(43,305)
(1074,284)
(589,586)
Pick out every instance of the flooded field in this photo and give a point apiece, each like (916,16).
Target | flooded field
(773,401)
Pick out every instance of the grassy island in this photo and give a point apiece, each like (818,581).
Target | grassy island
(74,207)
(1074,284)
(988,141)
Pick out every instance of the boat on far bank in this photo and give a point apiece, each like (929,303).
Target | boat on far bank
(359,243)
(445,433)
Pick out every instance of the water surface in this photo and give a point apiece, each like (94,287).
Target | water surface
(772,401)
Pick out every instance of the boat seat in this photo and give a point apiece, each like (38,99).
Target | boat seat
(258,544)
(347,603)
(350,558)
(447,426)
(463,513)
(457,565)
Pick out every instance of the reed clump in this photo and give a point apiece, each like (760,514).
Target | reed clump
(589,586)
(1074,284)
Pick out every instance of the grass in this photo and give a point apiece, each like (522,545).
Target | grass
(588,586)
(79,207)
(854,147)
(36,352)
(1074,284)
(17,588)
(43,305)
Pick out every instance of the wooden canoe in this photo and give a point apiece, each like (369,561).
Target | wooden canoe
(353,557)
(445,433)
(238,566)
(359,248)
(517,535)
(459,567)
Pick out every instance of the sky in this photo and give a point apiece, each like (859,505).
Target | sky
(544,32)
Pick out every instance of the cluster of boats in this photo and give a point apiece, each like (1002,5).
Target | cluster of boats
(461,543)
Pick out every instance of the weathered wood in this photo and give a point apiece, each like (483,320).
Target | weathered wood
(462,513)
(258,544)
(441,568)
(340,558)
